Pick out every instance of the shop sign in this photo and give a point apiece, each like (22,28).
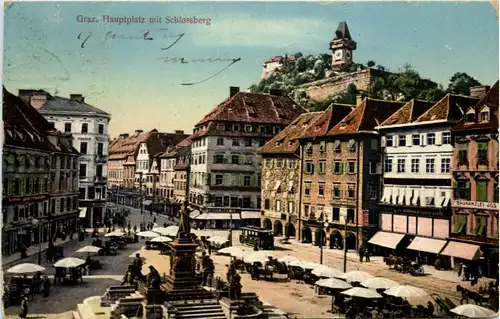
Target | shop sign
(24,199)
(366,217)
(475,205)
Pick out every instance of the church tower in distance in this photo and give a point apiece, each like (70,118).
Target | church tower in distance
(342,47)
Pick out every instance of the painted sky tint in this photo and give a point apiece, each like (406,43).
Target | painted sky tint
(128,79)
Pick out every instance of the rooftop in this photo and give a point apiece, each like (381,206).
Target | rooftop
(408,113)
(450,108)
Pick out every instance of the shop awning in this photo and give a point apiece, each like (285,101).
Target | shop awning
(217,216)
(462,250)
(386,239)
(147,202)
(428,245)
(250,214)
(194,213)
(83,212)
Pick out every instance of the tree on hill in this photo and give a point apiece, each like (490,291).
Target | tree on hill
(370,64)
(460,83)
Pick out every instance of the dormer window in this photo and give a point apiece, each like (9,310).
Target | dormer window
(470,118)
(484,116)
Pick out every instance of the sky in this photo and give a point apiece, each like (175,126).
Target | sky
(140,82)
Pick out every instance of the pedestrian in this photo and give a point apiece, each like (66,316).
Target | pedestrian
(209,248)
(367,255)
(24,308)
(23,251)
(46,286)
(361,252)
(165,225)
(154,219)
(135,228)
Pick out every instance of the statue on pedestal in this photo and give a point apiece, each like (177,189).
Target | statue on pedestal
(153,279)
(184,227)
(207,268)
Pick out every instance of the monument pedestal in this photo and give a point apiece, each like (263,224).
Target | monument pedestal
(182,275)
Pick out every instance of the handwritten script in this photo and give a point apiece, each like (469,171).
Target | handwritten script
(168,41)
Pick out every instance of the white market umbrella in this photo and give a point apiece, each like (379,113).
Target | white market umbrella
(70,262)
(325,271)
(287,259)
(231,250)
(473,311)
(379,283)
(218,240)
(116,233)
(25,268)
(296,263)
(355,276)
(361,293)
(147,233)
(89,249)
(405,291)
(258,256)
(161,239)
(240,254)
(164,231)
(333,283)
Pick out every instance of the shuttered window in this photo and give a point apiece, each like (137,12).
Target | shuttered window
(481,191)
(480,228)
(460,223)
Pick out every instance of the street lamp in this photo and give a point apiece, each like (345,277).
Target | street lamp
(35,221)
(321,238)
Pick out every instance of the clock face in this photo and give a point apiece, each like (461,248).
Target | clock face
(338,55)
(348,54)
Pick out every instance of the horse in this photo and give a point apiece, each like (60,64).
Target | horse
(469,294)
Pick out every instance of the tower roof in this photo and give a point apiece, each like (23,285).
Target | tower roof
(342,32)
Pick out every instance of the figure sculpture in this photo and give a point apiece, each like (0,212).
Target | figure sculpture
(184,227)
(153,279)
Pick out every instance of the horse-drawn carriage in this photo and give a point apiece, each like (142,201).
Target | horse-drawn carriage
(404,265)
(443,305)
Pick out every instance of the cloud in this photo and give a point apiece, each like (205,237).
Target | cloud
(248,31)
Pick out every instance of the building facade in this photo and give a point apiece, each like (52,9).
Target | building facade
(417,188)
(225,168)
(275,63)
(40,178)
(475,182)
(89,127)
(341,177)
(281,171)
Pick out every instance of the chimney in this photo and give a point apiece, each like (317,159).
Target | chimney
(124,135)
(77,98)
(479,91)
(137,132)
(275,92)
(233,90)
(359,99)
(179,132)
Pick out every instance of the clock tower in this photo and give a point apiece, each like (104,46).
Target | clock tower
(342,47)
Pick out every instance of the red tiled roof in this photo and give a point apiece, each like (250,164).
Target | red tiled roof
(172,151)
(25,127)
(255,108)
(450,108)
(328,119)
(287,141)
(490,100)
(124,146)
(369,114)
(409,112)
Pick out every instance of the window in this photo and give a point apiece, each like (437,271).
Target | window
(219,159)
(98,171)
(269,163)
(374,145)
(431,139)
(262,142)
(482,151)
(218,201)
(480,228)
(235,159)
(336,190)
(322,146)
(85,128)
(430,165)
(336,146)
(267,203)
(482,191)
(351,145)
(291,164)
(445,165)
(415,139)
(415,165)
(307,189)
(389,141)
(67,127)
(460,224)
(248,142)
(83,147)
(350,215)
(309,148)
(309,168)
(351,191)
(402,140)
(322,167)
(219,179)
(462,190)
(278,205)
(372,191)
(401,165)
(220,141)
(335,214)
(470,118)
(236,142)
(351,167)
(307,208)
(246,181)
(83,170)
(337,167)
(100,129)
(52,125)
(291,207)
(279,163)
(388,165)
(321,189)
(100,148)
(462,153)
(82,192)
(484,116)
(446,138)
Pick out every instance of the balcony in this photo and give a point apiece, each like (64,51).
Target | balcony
(101,158)
(100,179)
